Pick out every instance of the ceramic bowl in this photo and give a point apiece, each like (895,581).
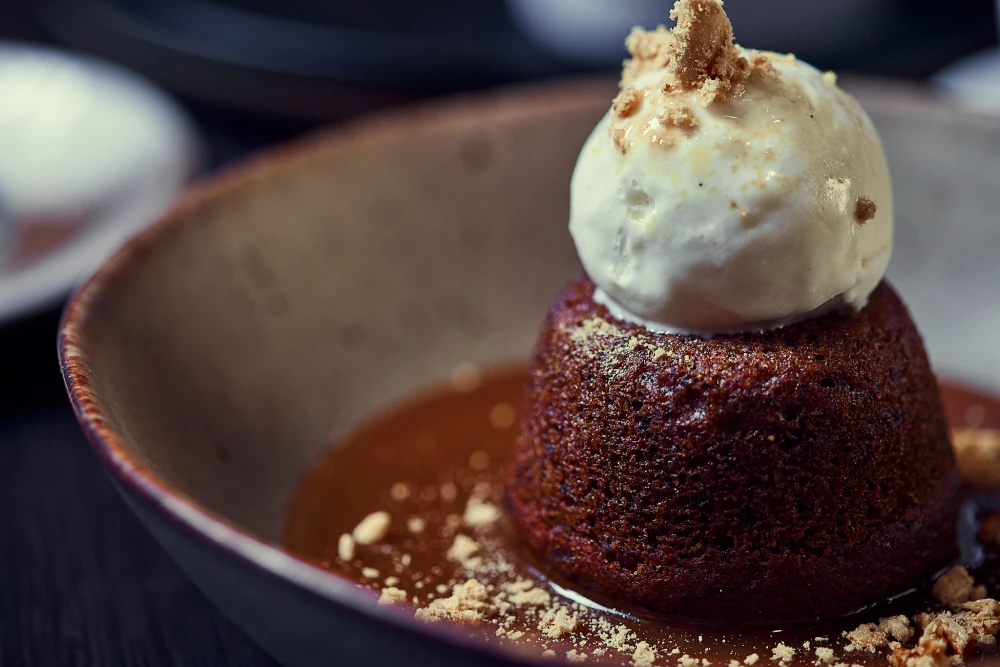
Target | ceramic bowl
(280,304)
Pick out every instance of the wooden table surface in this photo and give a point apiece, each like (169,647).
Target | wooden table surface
(81,582)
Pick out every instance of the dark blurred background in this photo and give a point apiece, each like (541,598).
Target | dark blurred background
(253,71)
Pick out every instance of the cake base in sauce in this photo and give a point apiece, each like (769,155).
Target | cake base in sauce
(423,461)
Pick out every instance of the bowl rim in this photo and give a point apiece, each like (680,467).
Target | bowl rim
(216,532)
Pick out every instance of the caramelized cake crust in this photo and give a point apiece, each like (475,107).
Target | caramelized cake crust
(797,473)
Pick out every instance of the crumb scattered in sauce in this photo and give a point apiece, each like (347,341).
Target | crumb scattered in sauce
(443,549)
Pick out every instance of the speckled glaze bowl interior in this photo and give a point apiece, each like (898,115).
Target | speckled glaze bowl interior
(282,303)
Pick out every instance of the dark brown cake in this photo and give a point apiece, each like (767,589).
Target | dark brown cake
(798,473)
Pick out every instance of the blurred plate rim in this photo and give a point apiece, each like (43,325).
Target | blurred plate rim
(46,281)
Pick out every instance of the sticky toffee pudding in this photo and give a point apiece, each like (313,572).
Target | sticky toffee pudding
(722,478)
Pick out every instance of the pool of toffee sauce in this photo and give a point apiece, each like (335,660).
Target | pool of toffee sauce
(425,458)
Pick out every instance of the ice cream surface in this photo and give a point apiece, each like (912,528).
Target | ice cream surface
(729,190)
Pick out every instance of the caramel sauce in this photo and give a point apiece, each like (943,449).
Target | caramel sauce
(423,460)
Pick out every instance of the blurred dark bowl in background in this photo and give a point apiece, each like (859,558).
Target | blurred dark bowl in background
(315,60)
(304,59)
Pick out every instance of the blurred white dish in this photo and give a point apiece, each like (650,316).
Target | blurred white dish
(973,83)
(592,32)
(586,31)
(91,153)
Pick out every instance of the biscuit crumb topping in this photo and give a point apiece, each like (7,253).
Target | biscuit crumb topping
(956,587)
(390,595)
(897,627)
(864,210)
(465,606)
(782,653)
(372,528)
(345,547)
(644,655)
(699,54)
(627,102)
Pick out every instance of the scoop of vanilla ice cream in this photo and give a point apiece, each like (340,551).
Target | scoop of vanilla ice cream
(748,213)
